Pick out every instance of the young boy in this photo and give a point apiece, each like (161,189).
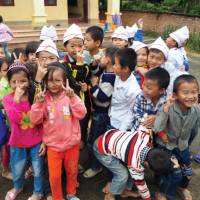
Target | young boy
(92,41)
(157,57)
(125,91)
(102,89)
(177,54)
(151,99)
(30,50)
(127,154)
(180,119)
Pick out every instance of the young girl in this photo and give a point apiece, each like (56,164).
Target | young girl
(60,110)
(4,90)
(25,139)
(141,50)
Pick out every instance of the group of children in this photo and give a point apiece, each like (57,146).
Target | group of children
(140,99)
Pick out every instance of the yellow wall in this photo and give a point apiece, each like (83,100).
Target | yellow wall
(22,11)
(58,12)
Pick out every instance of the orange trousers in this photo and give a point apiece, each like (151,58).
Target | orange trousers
(70,159)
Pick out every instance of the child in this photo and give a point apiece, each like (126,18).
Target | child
(158,55)
(48,33)
(151,99)
(5,89)
(78,71)
(120,37)
(177,54)
(141,50)
(59,110)
(179,118)
(25,140)
(101,90)
(30,50)
(126,155)
(18,55)
(2,53)
(126,89)
(92,41)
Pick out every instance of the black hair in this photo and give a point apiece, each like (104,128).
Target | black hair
(32,69)
(52,67)
(110,52)
(127,58)
(159,161)
(4,60)
(160,75)
(96,33)
(182,79)
(16,70)
(1,19)
(31,47)
(154,50)
(130,41)
(17,51)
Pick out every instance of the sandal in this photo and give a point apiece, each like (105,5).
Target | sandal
(129,193)
(185,194)
(7,175)
(72,197)
(89,173)
(11,195)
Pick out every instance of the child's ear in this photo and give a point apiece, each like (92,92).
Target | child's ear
(98,43)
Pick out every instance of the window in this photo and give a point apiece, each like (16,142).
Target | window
(7,3)
(73,3)
(50,2)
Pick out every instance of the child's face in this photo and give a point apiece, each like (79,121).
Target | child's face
(46,58)
(105,60)
(74,46)
(118,70)
(187,94)
(4,69)
(2,54)
(119,43)
(55,82)
(151,89)
(142,57)
(155,59)
(171,43)
(32,57)
(19,79)
(90,44)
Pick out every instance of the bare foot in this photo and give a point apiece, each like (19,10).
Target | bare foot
(159,196)
(106,188)
(109,196)
(49,198)
(128,193)
(184,193)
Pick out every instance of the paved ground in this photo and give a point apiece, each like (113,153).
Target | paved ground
(91,189)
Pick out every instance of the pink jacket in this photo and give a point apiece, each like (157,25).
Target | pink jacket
(23,132)
(60,119)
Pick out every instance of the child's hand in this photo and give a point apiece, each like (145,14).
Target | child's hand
(84,86)
(95,80)
(149,121)
(69,91)
(141,70)
(42,149)
(40,97)
(169,103)
(41,70)
(18,59)
(96,60)
(140,23)
(80,58)
(19,92)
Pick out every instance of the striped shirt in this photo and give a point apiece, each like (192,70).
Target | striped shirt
(131,148)
(103,91)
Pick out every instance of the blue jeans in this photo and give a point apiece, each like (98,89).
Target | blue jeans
(179,177)
(121,178)
(6,50)
(98,127)
(18,160)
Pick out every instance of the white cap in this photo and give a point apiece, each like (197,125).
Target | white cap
(121,33)
(49,46)
(160,45)
(48,33)
(132,30)
(137,45)
(73,31)
(180,35)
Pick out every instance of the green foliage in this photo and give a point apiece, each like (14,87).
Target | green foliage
(194,41)
(167,30)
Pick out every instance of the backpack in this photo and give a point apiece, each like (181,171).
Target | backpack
(3,129)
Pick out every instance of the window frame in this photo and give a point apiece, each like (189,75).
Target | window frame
(2,3)
(46,3)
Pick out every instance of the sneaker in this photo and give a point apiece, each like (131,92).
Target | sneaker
(91,173)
